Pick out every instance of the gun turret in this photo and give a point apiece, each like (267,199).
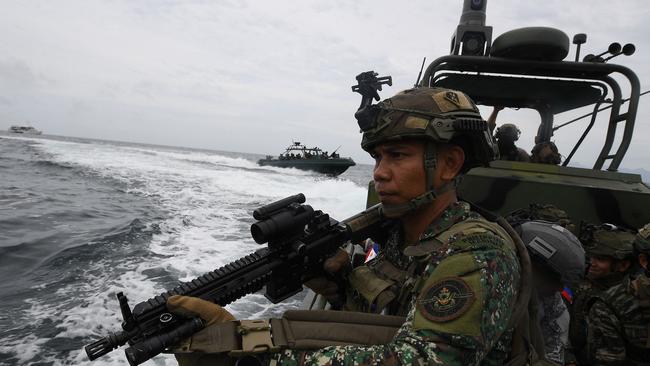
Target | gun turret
(472,36)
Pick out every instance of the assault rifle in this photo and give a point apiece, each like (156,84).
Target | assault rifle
(299,240)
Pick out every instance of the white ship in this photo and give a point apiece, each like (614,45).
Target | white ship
(27,130)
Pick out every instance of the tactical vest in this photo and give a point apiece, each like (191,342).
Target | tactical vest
(380,286)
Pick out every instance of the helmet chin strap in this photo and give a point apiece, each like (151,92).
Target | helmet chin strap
(430,163)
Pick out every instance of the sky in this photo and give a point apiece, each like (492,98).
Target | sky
(251,76)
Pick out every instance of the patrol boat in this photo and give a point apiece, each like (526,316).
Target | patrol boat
(529,68)
(299,156)
(26,130)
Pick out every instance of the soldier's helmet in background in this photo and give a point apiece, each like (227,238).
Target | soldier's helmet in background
(607,240)
(507,132)
(554,247)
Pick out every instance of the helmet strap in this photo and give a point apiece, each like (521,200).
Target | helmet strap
(430,164)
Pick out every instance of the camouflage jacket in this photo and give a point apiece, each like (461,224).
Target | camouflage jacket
(460,315)
(619,323)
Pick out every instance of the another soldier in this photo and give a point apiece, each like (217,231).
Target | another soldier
(619,319)
(546,153)
(610,252)
(455,275)
(506,136)
(492,119)
(558,260)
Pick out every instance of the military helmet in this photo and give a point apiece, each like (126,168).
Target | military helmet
(642,240)
(437,115)
(607,240)
(508,132)
(555,247)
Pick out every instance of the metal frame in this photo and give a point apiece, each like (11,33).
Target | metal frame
(565,70)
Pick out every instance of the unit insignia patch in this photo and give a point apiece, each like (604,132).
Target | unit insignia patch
(452,97)
(446,300)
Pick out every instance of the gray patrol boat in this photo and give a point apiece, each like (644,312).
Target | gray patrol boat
(309,158)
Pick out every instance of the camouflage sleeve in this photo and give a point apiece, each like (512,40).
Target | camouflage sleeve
(460,315)
(604,342)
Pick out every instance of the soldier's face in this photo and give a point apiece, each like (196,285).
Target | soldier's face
(399,171)
(600,266)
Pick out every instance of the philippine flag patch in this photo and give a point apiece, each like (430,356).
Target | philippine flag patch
(567,294)
(372,253)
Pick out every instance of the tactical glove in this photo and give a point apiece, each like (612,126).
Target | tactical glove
(190,307)
(203,347)
(327,286)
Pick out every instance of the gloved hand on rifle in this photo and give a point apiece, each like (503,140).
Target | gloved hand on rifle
(199,348)
(336,266)
(191,307)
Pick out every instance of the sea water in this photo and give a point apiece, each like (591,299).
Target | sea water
(81,220)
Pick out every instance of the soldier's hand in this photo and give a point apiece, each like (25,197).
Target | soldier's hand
(335,266)
(190,307)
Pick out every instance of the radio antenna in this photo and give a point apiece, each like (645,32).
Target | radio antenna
(420,74)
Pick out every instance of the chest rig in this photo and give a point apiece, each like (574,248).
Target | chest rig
(382,286)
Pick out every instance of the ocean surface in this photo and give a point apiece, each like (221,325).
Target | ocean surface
(81,220)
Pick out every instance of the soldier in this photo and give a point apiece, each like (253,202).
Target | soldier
(610,253)
(619,319)
(546,153)
(506,136)
(455,275)
(558,260)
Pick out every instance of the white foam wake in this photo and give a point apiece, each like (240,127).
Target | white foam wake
(208,199)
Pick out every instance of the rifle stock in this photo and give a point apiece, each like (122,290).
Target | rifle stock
(299,241)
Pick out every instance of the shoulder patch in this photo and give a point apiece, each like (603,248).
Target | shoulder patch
(446,299)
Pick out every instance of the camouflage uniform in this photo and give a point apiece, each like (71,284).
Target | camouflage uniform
(619,322)
(461,308)
(578,314)
(604,240)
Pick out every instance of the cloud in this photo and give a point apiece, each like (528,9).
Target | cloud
(251,76)
(17,76)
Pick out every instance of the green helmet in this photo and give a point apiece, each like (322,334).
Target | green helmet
(642,240)
(434,114)
(508,132)
(608,240)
